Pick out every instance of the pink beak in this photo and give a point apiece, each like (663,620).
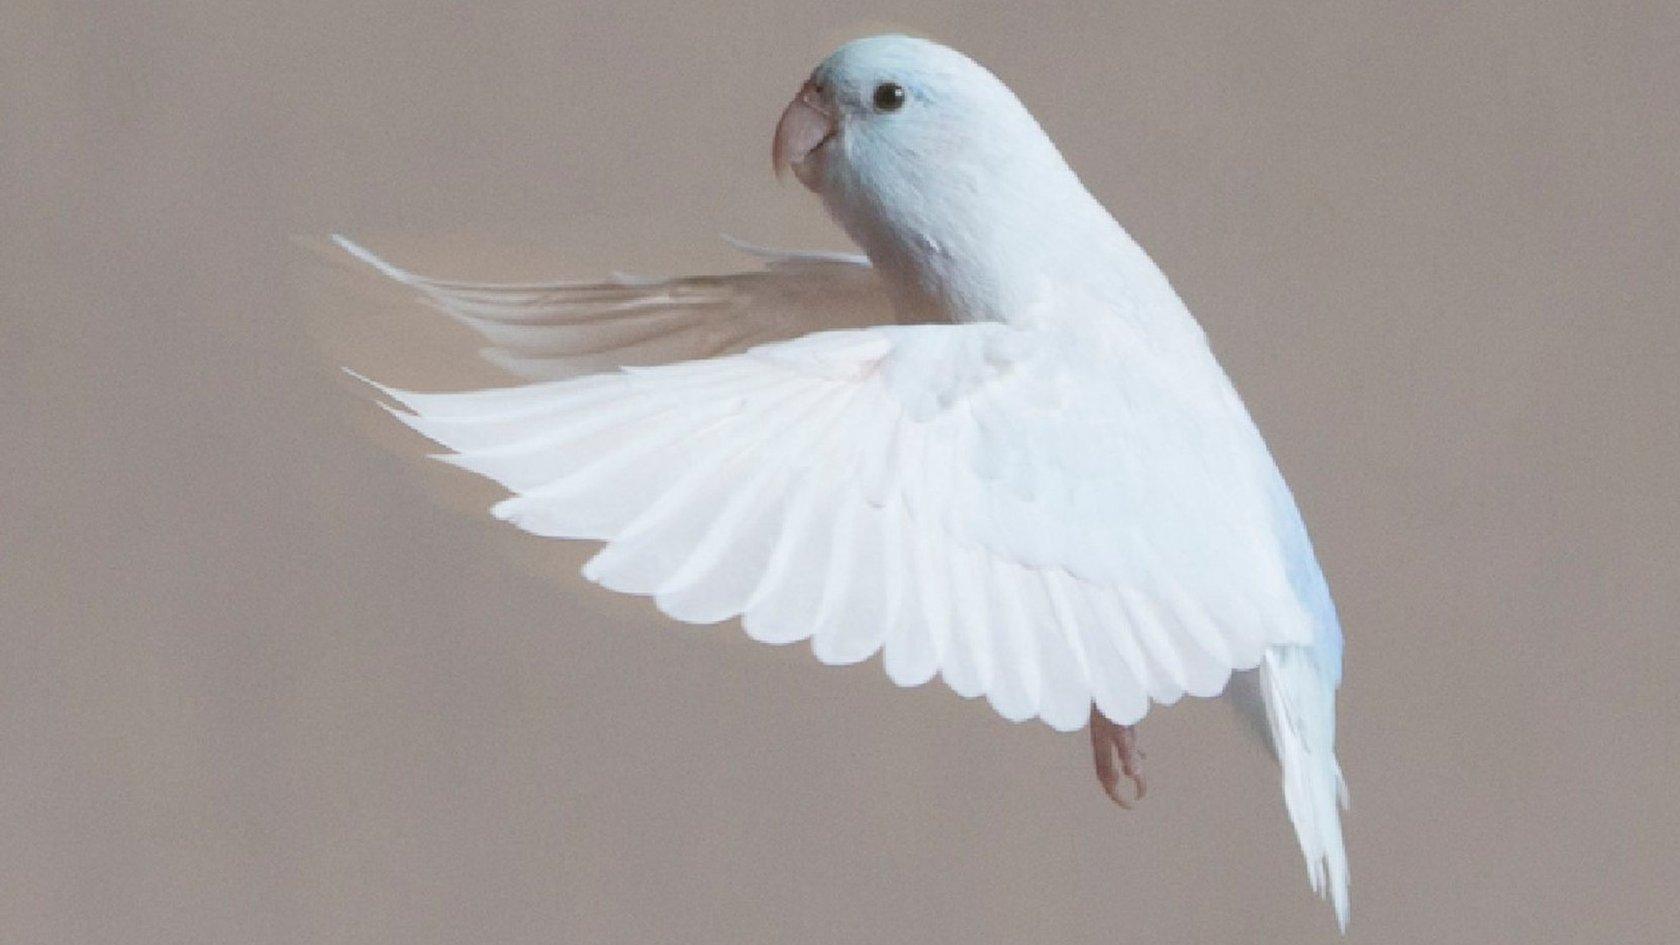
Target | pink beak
(806,126)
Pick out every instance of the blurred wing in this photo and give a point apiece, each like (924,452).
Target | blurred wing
(1047,519)
(552,330)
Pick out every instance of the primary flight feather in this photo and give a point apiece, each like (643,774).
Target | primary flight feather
(995,449)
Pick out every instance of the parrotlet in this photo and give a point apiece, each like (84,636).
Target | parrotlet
(995,448)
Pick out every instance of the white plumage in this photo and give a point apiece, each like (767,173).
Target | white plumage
(996,450)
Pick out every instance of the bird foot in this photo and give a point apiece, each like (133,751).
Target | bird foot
(1107,742)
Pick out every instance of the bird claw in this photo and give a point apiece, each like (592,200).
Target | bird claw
(1108,742)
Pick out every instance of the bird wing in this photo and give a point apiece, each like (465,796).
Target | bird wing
(552,330)
(1044,517)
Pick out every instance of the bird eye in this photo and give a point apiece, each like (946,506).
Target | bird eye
(889,97)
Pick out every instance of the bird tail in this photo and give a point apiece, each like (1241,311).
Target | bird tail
(1301,707)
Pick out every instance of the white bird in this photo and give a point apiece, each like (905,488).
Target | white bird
(995,449)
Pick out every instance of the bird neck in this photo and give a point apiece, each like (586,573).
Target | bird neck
(972,246)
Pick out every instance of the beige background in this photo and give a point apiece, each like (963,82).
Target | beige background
(266,678)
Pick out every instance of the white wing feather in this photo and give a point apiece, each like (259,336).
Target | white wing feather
(560,329)
(1045,518)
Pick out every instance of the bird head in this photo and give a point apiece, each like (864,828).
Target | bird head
(940,174)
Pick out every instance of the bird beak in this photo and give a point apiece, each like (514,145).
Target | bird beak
(806,125)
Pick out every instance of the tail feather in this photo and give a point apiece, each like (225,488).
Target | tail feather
(1300,705)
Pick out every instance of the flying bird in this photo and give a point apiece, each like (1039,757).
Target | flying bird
(994,448)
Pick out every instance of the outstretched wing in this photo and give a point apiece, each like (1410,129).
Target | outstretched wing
(1047,518)
(552,330)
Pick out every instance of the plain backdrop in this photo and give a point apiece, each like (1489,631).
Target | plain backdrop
(268,677)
